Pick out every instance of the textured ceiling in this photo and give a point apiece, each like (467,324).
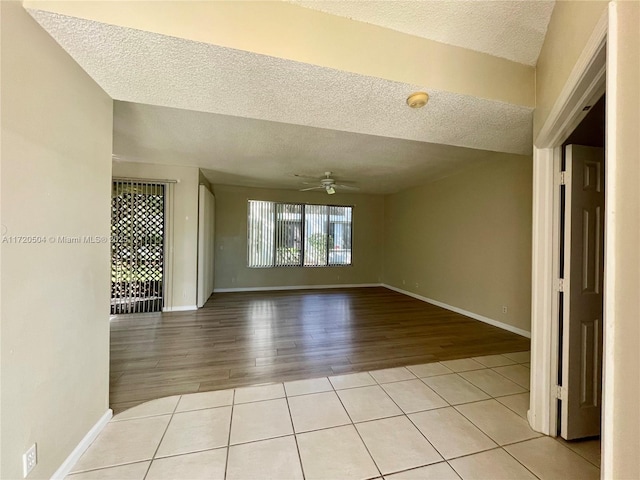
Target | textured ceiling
(148,68)
(256,120)
(513,30)
(259,153)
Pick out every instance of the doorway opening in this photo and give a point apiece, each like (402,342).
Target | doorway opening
(580,266)
(137,246)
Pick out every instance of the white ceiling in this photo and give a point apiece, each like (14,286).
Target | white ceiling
(144,67)
(513,29)
(255,120)
(231,150)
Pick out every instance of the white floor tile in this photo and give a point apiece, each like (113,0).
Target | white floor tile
(516,373)
(132,471)
(589,449)
(207,465)
(194,431)
(260,421)
(368,403)
(501,424)
(494,464)
(462,365)
(197,401)
(392,375)
(318,410)
(455,389)
(303,387)
(492,383)
(519,357)
(335,453)
(518,403)
(161,406)
(124,442)
(429,370)
(191,432)
(259,393)
(494,360)
(550,460)
(396,444)
(275,459)
(450,433)
(352,380)
(438,471)
(414,396)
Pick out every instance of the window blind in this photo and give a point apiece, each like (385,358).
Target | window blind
(291,234)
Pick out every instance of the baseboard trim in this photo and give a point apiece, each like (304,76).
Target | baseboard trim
(181,308)
(466,313)
(295,287)
(77,452)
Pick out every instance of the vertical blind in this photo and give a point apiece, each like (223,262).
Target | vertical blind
(292,234)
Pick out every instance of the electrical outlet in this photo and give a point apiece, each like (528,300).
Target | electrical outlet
(403,282)
(29,460)
(417,285)
(504,309)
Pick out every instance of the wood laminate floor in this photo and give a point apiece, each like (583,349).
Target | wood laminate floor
(248,338)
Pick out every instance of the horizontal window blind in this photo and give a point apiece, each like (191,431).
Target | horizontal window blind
(291,234)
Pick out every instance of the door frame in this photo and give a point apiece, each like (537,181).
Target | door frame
(585,85)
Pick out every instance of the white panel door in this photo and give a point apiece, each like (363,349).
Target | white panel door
(583,292)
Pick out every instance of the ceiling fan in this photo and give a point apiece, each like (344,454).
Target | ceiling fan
(328,184)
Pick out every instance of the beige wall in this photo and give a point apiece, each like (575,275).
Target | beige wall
(622,274)
(569,29)
(231,269)
(183,261)
(56,170)
(465,240)
(202,180)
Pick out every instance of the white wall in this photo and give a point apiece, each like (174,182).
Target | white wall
(622,270)
(56,171)
(206,244)
(184,257)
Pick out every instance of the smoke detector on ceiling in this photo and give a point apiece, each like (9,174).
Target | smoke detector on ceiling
(418,99)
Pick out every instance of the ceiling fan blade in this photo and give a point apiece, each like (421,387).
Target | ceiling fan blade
(346,187)
(346,182)
(310,188)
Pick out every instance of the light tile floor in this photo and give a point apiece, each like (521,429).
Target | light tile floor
(449,420)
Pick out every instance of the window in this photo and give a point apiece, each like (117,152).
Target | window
(293,234)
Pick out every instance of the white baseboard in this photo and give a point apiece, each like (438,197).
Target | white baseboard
(466,313)
(77,452)
(295,287)
(180,308)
